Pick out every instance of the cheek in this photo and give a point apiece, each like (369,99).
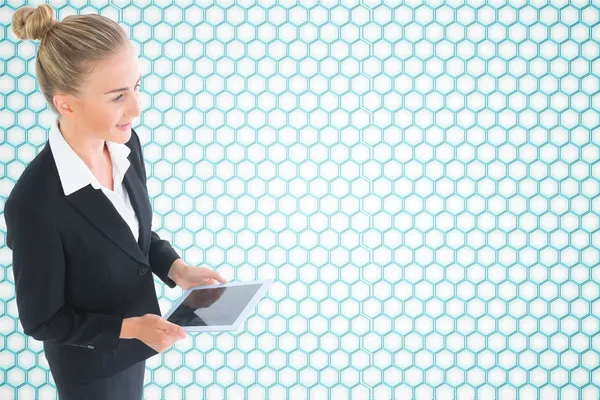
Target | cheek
(103,122)
(105,118)
(99,115)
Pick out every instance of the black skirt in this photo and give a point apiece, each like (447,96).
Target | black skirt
(127,384)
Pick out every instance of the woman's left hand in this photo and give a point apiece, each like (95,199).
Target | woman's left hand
(187,276)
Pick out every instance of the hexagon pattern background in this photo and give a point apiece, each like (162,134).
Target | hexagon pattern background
(420,180)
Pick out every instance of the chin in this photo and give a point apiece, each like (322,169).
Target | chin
(120,136)
(126,137)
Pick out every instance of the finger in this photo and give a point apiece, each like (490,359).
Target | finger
(161,336)
(164,325)
(172,333)
(175,330)
(218,277)
(168,327)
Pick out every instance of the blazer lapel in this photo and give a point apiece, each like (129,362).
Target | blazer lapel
(99,210)
(141,204)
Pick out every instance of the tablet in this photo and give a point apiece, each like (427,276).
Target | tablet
(216,308)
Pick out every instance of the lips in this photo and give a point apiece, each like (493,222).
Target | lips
(125,128)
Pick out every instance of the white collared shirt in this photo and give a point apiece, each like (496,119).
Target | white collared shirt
(75,174)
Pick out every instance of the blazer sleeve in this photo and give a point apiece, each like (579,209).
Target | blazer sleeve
(161,257)
(161,254)
(39,272)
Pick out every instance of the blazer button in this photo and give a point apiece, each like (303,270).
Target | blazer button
(143,269)
(90,346)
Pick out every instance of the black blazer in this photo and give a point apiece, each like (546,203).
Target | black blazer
(78,269)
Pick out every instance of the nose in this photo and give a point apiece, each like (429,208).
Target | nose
(134,108)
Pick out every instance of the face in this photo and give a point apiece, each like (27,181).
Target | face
(109,97)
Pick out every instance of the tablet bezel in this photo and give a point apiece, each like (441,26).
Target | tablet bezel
(264,285)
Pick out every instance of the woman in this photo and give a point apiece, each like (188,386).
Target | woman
(79,218)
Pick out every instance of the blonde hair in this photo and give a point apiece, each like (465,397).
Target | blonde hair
(67,49)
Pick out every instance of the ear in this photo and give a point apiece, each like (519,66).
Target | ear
(64,104)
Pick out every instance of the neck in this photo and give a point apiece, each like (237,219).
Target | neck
(91,149)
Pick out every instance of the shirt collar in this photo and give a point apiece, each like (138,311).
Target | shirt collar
(73,172)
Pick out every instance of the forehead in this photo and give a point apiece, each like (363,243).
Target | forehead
(117,71)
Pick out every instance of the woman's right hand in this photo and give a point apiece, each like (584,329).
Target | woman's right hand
(156,332)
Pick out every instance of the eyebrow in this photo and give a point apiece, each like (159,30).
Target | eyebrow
(121,89)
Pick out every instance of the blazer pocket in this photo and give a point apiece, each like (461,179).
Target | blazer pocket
(84,364)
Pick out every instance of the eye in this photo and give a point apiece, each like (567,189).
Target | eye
(118,98)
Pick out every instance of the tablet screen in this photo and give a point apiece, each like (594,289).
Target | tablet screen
(213,306)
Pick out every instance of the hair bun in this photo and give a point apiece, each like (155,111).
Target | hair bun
(33,23)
